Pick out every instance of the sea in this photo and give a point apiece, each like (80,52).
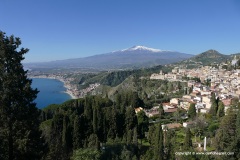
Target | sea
(52,91)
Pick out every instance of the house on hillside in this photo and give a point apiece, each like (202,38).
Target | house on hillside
(175,101)
(152,112)
(207,101)
(185,104)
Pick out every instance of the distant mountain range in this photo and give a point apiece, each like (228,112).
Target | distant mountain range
(134,57)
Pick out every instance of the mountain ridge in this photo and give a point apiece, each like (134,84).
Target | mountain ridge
(207,58)
(134,57)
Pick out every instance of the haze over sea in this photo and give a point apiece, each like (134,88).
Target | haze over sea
(52,91)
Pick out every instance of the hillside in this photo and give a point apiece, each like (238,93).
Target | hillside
(206,58)
(114,78)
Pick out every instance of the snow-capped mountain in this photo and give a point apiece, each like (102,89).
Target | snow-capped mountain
(141,48)
(134,57)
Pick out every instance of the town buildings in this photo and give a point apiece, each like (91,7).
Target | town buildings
(224,84)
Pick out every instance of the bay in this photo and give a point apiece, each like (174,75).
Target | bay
(52,91)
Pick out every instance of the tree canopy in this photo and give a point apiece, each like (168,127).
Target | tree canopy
(19,135)
(192,111)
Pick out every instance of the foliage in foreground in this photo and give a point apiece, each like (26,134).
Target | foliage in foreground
(19,123)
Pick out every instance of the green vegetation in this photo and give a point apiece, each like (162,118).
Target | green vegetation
(112,78)
(86,154)
(188,140)
(210,57)
(106,126)
(19,123)
(192,111)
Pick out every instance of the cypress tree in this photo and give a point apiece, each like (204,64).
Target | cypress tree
(188,140)
(94,122)
(66,135)
(238,123)
(19,122)
(130,123)
(93,142)
(142,124)
(213,97)
(158,143)
(192,111)
(214,107)
(161,111)
(77,133)
(135,101)
(56,136)
(176,115)
(151,134)
(135,139)
(170,143)
(130,118)
(220,112)
(129,136)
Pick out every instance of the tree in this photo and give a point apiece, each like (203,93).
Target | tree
(192,111)
(200,125)
(213,97)
(214,107)
(158,143)
(142,124)
(136,101)
(170,144)
(86,154)
(93,142)
(66,136)
(190,90)
(56,149)
(220,112)
(112,123)
(237,136)
(130,118)
(94,120)
(77,133)
(19,122)
(177,115)
(161,111)
(238,123)
(135,136)
(188,140)
(151,134)
(226,133)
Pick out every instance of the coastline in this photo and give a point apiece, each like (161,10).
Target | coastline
(66,84)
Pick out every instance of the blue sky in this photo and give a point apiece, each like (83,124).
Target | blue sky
(55,30)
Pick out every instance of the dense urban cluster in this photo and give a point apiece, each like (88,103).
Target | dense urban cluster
(224,84)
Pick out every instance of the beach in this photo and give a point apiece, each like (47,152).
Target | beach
(70,90)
